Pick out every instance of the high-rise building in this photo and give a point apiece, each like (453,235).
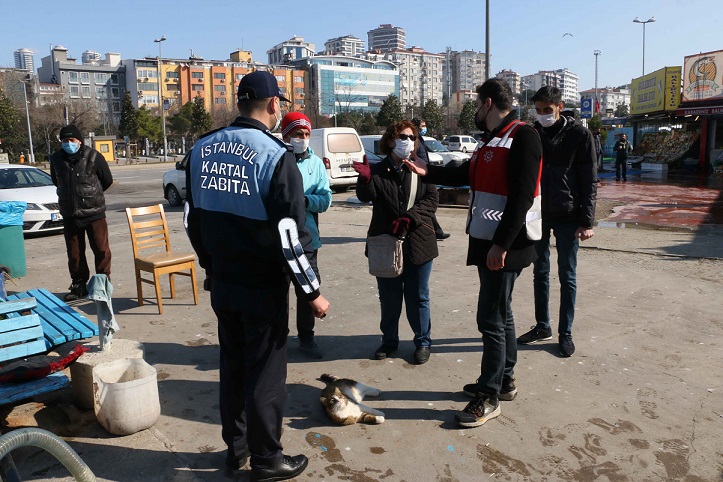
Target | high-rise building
(24,60)
(420,75)
(387,37)
(563,79)
(347,45)
(512,78)
(463,71)
(91,57)
(293,49)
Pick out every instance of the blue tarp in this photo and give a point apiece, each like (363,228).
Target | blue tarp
(11,213)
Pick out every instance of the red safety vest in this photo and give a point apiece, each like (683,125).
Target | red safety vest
(489,186)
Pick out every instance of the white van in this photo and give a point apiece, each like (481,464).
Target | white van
(338,147)
(462,143)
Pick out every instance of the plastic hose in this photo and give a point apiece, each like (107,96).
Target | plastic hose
(51,443)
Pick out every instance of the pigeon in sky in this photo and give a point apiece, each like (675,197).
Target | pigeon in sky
(567,33)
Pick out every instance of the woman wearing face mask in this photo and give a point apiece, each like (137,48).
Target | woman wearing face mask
(387,185)
(296,130)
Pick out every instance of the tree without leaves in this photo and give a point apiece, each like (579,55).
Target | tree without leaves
(390,112)
(466,117)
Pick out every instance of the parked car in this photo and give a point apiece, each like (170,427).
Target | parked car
(174,182)
(448,159)
(338,148)
(25,183)
(462,143)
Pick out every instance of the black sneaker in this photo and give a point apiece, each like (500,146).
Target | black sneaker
(508,391)
(443,236)
(384,351)
(289,468)
(311,349)
(478,411)
(534,335)
(567,347)
(77,291)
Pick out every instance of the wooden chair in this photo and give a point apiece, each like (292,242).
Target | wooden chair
(151,231)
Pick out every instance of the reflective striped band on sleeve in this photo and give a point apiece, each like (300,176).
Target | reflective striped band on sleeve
(294,254)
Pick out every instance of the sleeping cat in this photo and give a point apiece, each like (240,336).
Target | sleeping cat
(342,398)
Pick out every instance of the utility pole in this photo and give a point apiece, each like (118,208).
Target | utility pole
(27,115)
(160,98)
(596,53)
(487,43)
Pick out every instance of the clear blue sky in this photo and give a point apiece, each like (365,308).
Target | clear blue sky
(526,35)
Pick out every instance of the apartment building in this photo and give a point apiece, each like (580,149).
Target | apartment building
(512,78)
(347,45)
(420,75)
(24,60)
(609,98)
(387,37)
(102,82)
(293,49)
(563,79)
(462,70)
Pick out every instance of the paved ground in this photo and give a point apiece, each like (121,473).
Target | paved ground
(640,400)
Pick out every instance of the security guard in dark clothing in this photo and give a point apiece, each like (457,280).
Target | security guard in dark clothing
(245,219)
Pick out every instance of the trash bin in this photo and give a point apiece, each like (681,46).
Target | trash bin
(12,243)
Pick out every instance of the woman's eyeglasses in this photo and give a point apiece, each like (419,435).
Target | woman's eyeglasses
(404,137)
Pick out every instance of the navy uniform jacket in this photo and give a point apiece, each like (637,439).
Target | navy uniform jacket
(245,210)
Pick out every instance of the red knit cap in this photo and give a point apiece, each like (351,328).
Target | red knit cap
(292,120)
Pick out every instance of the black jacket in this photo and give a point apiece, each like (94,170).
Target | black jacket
(522,170)
(569,172)
(622,148)
(81,179)
(388,190)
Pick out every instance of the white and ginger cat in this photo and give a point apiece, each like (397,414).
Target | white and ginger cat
(342,399)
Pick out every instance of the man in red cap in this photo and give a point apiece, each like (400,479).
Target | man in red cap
(296,130)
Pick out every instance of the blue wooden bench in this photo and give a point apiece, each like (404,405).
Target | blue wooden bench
(60,322)
(21,336)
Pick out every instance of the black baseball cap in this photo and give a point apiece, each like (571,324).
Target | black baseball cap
(259,85)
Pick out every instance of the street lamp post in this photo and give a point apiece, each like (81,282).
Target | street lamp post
(596,53)
(27,116)
(160,98)
(637,20)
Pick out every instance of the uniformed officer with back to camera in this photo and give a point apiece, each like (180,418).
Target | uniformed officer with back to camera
(245,217)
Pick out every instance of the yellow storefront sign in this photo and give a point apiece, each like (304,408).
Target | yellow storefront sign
(656,92)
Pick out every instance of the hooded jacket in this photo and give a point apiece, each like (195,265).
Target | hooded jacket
(569,172)
(81,179)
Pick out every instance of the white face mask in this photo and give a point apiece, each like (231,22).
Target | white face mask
(300,145)
(402,148)
(546,120)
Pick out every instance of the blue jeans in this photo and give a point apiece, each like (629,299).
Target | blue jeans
(413,286)
(567,245)
(497,325)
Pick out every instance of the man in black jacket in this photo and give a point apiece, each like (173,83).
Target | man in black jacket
(569,188)
(245,215)
(622,148)
(81,175)
(504,218)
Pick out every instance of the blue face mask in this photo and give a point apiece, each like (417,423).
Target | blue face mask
(71,147)
(423,131)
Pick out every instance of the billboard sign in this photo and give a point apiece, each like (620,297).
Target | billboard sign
(586,108)
(656,92)
(703,77)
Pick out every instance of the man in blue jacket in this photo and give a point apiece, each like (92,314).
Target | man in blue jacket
(296,130)
(246,222)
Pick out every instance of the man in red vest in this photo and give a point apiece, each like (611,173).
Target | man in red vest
(502,223)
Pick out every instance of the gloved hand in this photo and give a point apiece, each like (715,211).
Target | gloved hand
(400,226)
(365,172)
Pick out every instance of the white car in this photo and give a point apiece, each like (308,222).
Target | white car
(462,143)
(174,182)
(449,159)
(24,183)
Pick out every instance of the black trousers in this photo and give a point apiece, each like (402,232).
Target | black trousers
(253,325)
(621,166)
(305,319)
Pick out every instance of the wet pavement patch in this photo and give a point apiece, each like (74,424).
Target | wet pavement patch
(326,444)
